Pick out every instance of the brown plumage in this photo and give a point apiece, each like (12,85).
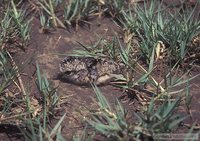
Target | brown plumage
(86,70)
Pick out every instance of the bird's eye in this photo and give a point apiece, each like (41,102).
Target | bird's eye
(67,72)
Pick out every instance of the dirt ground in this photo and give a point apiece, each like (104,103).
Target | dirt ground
(49,49)
(52,49)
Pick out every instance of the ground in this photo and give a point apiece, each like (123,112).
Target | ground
(49,49)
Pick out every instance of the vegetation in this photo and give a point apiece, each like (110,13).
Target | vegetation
(156,25)
(152,33)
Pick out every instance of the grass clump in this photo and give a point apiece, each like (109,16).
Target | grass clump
(14,33)
(78,11)
(19,107)
(36,126)
(49,95)
(15,29)
(155,24)
(114,124)
(48,13)
(8,100)
(112,8)
(38,130)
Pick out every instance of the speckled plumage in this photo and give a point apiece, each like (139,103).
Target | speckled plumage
(84,70)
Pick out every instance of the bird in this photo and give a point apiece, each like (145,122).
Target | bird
(86,70)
